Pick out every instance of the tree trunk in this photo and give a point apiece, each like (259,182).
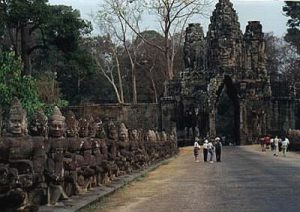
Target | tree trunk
(134,92)
(154,90)
(167,53)
(78,85)
(25,50)
(120,80)
(153,85)
(170,74)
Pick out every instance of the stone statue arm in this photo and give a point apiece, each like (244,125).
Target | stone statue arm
(52,177)
(50,174)
(3,151)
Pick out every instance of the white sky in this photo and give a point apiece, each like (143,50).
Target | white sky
(268,12)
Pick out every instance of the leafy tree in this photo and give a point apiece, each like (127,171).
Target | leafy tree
(75,73)
(49,92)
(283,61)
(13,84)
(292,10)
(26,88)
(66,28)
(33,24)
(150,67)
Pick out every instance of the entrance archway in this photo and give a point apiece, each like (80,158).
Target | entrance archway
(225,88)
(230,90)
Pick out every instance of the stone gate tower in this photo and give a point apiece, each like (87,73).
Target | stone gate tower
(226,60)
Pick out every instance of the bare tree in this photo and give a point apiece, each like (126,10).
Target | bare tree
(106,56)
(282,59)
(151,63)
(172,16)
(110,22)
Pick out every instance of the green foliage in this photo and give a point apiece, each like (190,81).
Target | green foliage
(40,26)
(48,108)
(12,84)
(49,92)
(66,27)
(292,9)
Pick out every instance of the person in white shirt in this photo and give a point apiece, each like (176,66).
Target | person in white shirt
(276,145)
(205,151)
(210,148)
(284,146)
(196,149)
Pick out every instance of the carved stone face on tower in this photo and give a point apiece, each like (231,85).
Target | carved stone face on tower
(56,124)
(17,123)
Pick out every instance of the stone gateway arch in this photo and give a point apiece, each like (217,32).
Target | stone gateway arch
(224,62)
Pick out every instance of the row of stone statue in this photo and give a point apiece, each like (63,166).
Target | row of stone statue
(60,157)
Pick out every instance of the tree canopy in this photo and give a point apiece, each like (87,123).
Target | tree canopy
(292,10)
(29,25)
(13,84)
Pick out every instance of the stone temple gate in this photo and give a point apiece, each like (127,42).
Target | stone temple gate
(227,62)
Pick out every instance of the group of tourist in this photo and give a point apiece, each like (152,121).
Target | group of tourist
(277,145)
(57,157)
(212,148)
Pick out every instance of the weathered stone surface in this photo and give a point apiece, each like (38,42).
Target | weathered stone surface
(71,159)
(194,48)
(235,64)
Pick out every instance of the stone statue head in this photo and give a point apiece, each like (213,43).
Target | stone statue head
(151,136)
(57,124)
(95,145)
(17,122)
(83,128)
(38,124)
(158,136)
(133,135)
(71,125)
(112,132)
(91,125)
(100,132)
(123,132)
(164,136)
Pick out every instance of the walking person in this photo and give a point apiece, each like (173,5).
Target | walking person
(218,148)
(276,145)
(196,149)
(272,144)
(284,146)
(210,148)
(205,151)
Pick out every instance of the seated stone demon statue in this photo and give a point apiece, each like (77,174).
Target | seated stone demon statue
(38,129)
(54,173)
(17,165)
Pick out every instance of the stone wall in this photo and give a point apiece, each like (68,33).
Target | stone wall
(283,116)
(146,116)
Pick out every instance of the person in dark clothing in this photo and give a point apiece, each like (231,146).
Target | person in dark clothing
(218,148)
(205,151)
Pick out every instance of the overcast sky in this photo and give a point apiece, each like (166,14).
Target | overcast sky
(268,12)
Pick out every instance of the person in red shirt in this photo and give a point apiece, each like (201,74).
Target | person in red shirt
(267,141)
